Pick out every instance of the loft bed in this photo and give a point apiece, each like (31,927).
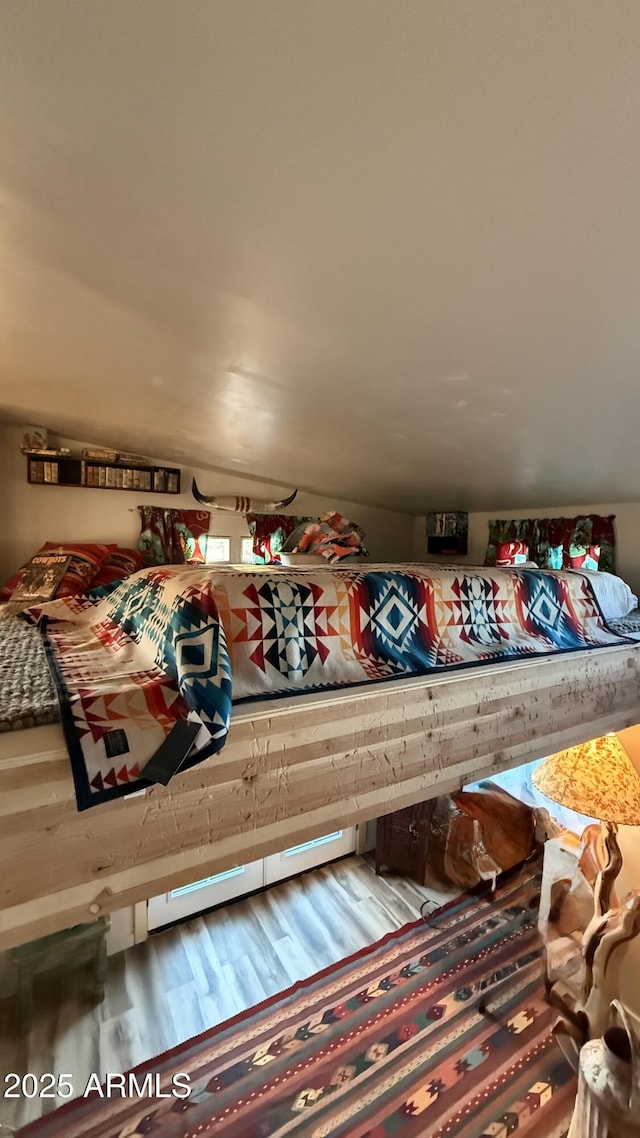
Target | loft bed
(293,767)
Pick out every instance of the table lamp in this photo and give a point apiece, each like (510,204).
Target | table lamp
(599,779)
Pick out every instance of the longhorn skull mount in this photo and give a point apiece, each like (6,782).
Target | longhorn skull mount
(233,505)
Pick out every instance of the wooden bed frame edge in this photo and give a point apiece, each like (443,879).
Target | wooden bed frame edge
(292,769)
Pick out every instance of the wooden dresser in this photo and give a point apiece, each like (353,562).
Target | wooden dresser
(402,840)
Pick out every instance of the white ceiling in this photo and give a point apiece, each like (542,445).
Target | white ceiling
(386,249)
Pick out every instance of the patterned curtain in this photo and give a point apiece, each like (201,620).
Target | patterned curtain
(542,534)
(269,533)
(173,537)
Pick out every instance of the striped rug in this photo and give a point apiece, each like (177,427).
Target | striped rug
(391,1042)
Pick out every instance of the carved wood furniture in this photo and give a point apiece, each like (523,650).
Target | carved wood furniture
(582,941)
(599,779)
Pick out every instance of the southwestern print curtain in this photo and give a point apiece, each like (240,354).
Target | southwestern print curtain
(269,533)
(543,535)
(173,537)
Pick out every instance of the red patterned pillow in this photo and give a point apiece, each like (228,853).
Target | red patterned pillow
(86,560)
(512,553)
(584,557)
(120,563)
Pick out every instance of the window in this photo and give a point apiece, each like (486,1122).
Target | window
(218,549)
(313,844)
(237,871)
(246,550)
(242,879)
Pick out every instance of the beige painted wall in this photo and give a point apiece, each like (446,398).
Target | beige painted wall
(627,525)
(30,515)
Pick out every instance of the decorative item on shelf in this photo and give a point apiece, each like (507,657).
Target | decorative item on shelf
(52,452)
(233,505)
(447,533)
(100,454)
(34,438)
(598,779)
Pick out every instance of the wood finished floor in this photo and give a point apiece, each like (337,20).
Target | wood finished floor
(193,976)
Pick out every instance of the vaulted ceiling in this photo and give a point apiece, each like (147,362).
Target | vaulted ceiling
(386,249)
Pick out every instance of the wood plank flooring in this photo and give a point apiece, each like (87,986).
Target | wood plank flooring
(190,977)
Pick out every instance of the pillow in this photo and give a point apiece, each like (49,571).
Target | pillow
(556,556)
(512,553)
(584,556)
(118,564)
(86,560)
(613,595)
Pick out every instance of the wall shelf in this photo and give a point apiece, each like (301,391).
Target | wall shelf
(96,474)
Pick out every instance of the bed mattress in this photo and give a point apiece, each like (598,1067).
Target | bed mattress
(27,693)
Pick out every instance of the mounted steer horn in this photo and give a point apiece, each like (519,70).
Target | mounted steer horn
(241,505)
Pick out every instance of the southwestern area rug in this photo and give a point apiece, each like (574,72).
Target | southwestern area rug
(391,1042)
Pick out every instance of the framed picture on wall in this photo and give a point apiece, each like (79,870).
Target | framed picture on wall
(447,533)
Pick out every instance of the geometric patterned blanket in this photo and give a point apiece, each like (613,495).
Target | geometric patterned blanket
(390,1043)
(178,642)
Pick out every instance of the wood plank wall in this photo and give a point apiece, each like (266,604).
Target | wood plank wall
(292,769)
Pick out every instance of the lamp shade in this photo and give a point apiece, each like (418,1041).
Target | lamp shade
(597,778)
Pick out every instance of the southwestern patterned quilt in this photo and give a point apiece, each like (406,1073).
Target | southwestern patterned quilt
(179,642)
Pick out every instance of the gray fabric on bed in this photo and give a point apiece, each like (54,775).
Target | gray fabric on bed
(27,694)
(626,625)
